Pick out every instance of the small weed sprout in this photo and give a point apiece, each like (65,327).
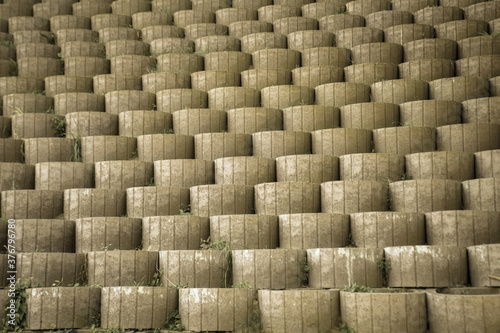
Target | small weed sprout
(345,329)
(385,266)
(59,126)
(356,288)
(226,256)
(173,322)
(243,285)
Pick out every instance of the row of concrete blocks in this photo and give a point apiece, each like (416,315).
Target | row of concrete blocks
(339,197)
(252,231)
(248,310)
(324,268)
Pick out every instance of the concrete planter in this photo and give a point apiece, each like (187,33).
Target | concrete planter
(478,46)
(307,168)
(154,147)
(171,45)
(341,141)
(481,194)
(412,6)
(107,148)
(183,172)
(453,310)
(353,196)
(33,125)
(404,140)
(59,176)
(211,146)
(269,269)
(482,11)
(309,118)
(194,268)
(86,66)
(385,311)
(171,100)
(482,110)
(61,84)
(430,113)
(11,150)
(468,137)
(310,231)
(155,82)
(198,30)
(351,37)
(364,8)
(426,266)
(384,19)
(170,6)
(180,232)
(156,201)
(26,36)
(129,100)
(16,176)
(210,200)
(462,228)
(118,33)
(151,33)
(460,29)
(216,309)
(425,195)
(400,91)
(342,93)
(483,263)
(229,61)
(370,72)
(31,204)
(91,124)
(207,80)
(377,53)
(183,18)
(383,229)
(227,98)
(129,8)
(39,67)
(140,122)
(211,6)
(485,66)
(89,9)
(27,103)
(275,12)
(287,198)
(299,310)
(75,35)
(261,40)
(265,77)
(440,165)
(102,21)
(112,82)
(121,268)
(77,101)
(318,10)
(137,307)
(89,202)
(427,69)
(45,269)
(111,233)
(241,29)
(226,16)
(495,86)
(249,120)
(276,58)
(314,76)
(272,144)
(60,22)
(20,85)
(430,48)
(405,33)
(61,307)
(131,64)
(437,15)
(288,25)
(40,150)
(245,231)
(333,23)
(343,267)
(485,164)
(236,170)
(120,175)
(34,50)
(45,235)
(52,8)
(369,115)
(371,166)
(20,23)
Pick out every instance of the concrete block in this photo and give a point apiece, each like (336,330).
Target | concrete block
(371,166)
(156,200)
(287,198)
(353,196)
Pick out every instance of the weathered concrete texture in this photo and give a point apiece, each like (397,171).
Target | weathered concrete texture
(211,146)
(210,200)
(485,66)
(16,23)
(269,269)
(341,141)
(38,150)
(383,229)
(231,61)
(127,7)
(85,66)
(154,147)
(430,48)
(155,82)
(369,115)
(486,163)
(39,67)
(110,82)
(137,307)
(16,176)
(120,175)
(494,85)
(217,44)
(299,310)
(371,166)
(308,118)
(342,93)
(272,13)
(306,39)
(160,233)
(437,15)
(141,122)
(272,144)
(107,233)
(61,307)
(90,202)
(351,37)
(484,262)
(440,165)
(430,113)
(328,56)
(262,40)
(245,231)
(194,268)
(128,47)
(353,196)
(128,100)
(107,148)
(462,227)
(27,103)
(170,45)
(171,6)
(342,267)
(249,120)
(6,125)
(307,168)
(482,11)
(196,121)
(452,310)
(183,172)
(459,88)
(17,85)
(244,170)
(84,123)
(33,125)
(313,76)
(288,25)
(425,195)
(31,204)
(383,311)
(156,200)
(150,33)
(369,73)
(310,231)
(399,91)
(242,29)
(460,29)
(13,151)
(472,137)
(317,10)
(44,269)
(89,9)
(404,140)
(388,53)
(284,96)
(78,101)
(131,64)
(427,266)
(287,198)
(171,100)
(45,235)
(405,33)
(106,20)
(226,16)
(427,69)
(121,268)
(482,110)
(276,58)
(69,35)
(265,77)
(478,46)
(211,309)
